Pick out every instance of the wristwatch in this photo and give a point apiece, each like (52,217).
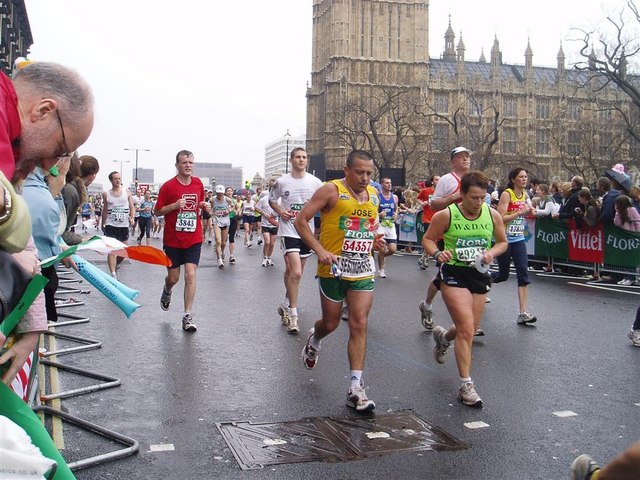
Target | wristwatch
(7,206)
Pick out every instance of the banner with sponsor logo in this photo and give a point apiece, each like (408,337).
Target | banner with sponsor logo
(407,223)
(621,247)
(606,244)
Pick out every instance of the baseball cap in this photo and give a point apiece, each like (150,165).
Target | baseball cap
(457,150)
(219,188)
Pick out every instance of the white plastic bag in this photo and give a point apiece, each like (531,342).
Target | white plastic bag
(19,458)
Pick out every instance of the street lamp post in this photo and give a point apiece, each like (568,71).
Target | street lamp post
(121,162)
(286,159)
(137,150)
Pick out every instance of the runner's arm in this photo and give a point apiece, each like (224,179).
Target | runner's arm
(105,212)
(132,209)
(159,212)
(500,236)
(447,192)
(437,227)
(395,210)
(325,197)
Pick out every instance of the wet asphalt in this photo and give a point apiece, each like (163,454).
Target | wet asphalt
(242,365)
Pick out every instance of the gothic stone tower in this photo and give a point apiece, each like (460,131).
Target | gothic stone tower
(359,44)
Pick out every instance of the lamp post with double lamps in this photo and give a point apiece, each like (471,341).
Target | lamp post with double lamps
(135,181)
(286,158)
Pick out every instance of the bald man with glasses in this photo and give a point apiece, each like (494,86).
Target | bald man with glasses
(46,113)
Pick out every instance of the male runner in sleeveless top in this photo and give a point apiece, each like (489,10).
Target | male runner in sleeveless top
(346,268)
(388,212)
(117,218)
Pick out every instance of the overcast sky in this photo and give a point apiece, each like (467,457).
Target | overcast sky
(224,78)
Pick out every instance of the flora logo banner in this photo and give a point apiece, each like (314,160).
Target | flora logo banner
(551,238)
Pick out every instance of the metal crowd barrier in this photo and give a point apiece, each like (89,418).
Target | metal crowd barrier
(36,400)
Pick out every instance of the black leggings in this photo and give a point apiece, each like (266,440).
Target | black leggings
(233,226)
(145,227)
(636,324)
(50,291)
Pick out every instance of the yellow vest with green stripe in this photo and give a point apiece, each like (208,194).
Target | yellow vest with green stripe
(348,231)
(465,238)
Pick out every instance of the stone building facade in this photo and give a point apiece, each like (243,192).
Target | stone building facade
(15,33)
(374,86)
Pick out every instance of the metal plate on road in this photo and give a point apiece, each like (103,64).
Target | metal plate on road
(328,439)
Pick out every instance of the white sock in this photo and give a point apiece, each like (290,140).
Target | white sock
(428,306)
(293,311)
(314,342)
(356,376)
(465,380)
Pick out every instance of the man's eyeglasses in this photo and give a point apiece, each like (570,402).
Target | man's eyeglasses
(65,149)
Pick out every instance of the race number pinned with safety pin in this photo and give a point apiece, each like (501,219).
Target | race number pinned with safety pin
(187,220)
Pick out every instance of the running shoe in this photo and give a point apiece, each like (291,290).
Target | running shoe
(479,332)
(114,275)
(187,323)
(423,262)
(209,242)
(284,314)
(381,273)
(165,299)
(345,313)
(232,259)
(249,245)
(259,240)
(441,347)
(583,467)
(625,282)
(265,262)
(357,398)
(634,336)
(468,395)
(525,317)
(220,263)
(309,353)
(487,299)
(426,316)
(270,262)
(292,325)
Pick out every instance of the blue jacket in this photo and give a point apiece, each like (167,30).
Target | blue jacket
(45,214)
(608,209)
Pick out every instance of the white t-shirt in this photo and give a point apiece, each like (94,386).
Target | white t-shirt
(293,193)
(448,185)
(266,210)
(137,200)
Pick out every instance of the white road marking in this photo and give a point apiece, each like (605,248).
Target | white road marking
(478,424)
(377,435)
(274,441)
(619,290)
(564,413)
(162,447)
(553,275)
